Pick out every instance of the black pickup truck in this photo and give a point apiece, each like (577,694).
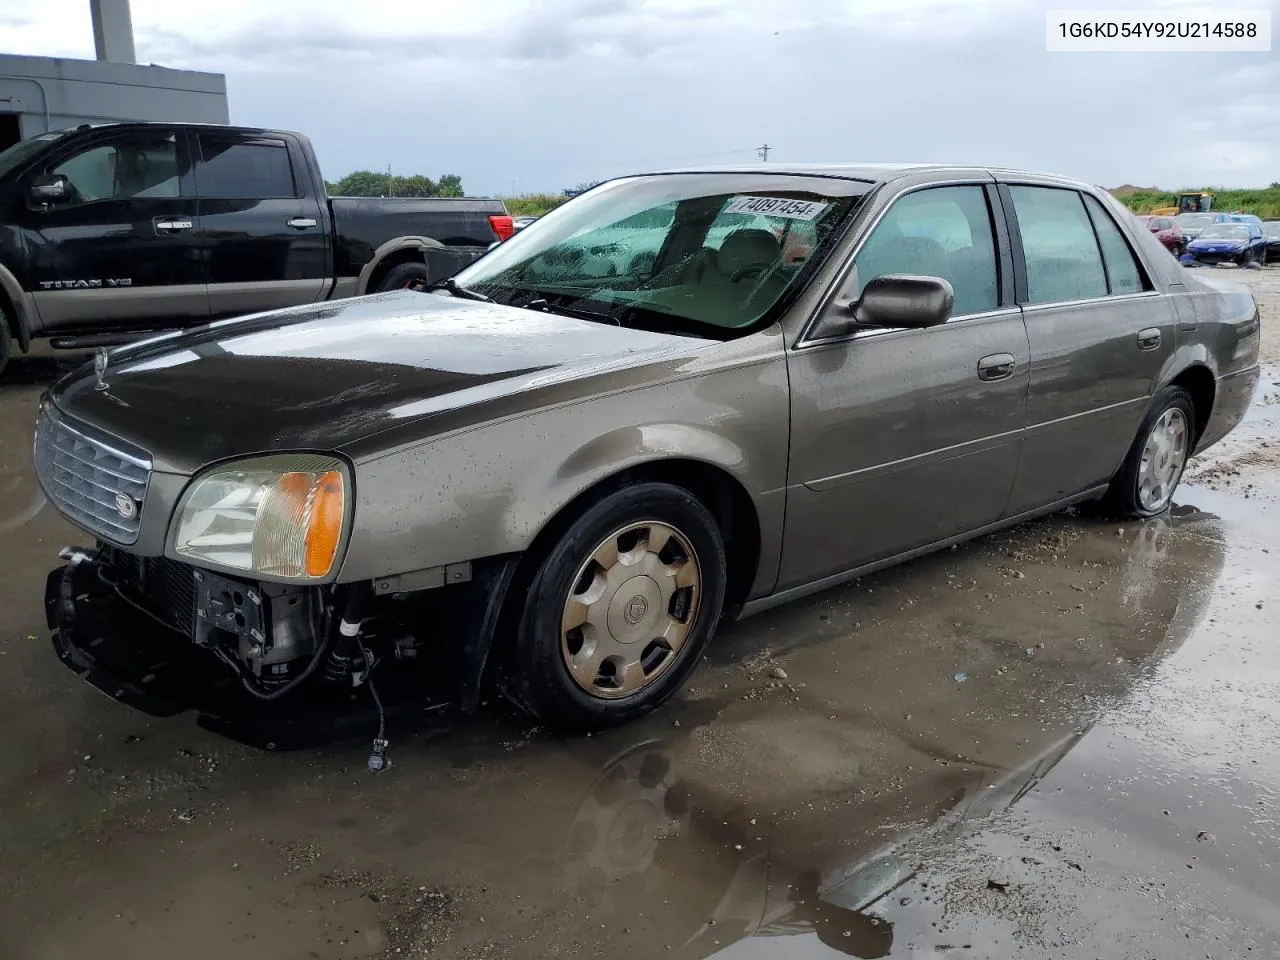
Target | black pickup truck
(111,230)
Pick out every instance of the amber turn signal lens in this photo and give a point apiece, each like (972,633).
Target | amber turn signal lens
(324,523)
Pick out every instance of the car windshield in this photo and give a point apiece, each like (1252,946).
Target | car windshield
(1225,231)
(1194,220)
(700,253)
(1272,229)
(18,154)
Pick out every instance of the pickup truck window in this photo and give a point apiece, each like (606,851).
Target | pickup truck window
(237,168)
(123,169)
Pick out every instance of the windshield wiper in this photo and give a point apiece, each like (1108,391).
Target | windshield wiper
(452,285)
(546,306)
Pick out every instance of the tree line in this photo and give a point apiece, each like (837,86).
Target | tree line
(1264,202)
(367,183)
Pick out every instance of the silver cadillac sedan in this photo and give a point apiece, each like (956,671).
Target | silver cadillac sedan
(678,397)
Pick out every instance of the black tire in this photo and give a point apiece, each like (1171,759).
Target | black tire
(538,678)
(1123,496)
(6,342)
(403,276)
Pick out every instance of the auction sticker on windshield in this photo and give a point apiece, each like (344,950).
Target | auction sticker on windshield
(776,207)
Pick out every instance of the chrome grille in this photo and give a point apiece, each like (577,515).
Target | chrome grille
(85,472)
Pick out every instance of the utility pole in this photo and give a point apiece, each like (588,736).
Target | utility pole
(391,184)
(763,150)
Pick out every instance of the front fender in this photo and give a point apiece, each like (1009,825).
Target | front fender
(490,490)
(21,308)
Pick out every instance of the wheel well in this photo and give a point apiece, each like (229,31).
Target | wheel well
(1198,382)
(390,261)
(9,317)
(719,491)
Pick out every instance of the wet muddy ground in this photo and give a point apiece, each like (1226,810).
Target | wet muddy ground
(1053,742)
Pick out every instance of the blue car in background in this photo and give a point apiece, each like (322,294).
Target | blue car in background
(1242,243)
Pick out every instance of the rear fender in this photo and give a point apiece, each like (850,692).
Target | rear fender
(393,248)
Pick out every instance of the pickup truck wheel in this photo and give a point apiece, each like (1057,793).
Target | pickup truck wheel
(6,342)
(1145,484)
(620,609)
(403,276)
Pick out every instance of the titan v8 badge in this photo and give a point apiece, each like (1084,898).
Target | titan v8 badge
(85,284)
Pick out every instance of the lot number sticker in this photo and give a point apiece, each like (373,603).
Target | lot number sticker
(776,207)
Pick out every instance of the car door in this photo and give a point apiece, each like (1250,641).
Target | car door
(903,438)
(121,250)
(1099,333)
(263,236)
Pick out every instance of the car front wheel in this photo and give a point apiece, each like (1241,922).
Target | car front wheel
(619,610)
(1154,465)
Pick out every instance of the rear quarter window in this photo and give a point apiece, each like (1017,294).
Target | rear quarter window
(1124,274)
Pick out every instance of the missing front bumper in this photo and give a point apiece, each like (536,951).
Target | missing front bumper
(131,656)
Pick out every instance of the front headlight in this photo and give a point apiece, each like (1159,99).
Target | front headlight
(279,516)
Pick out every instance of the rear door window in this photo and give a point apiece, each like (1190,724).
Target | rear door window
(234,167)
(1124,275)
(1059,246)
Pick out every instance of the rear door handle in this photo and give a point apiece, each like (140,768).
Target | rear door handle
(998,366)
(164,225)
(302,223)
(1149,339)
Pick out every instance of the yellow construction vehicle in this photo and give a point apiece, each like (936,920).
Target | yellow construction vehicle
(1187,203)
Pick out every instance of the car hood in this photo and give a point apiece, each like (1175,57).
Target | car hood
(1214,243)
(323,377)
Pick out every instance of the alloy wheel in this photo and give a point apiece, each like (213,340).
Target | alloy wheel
(1163,458)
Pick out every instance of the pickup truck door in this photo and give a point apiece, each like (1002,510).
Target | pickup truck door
(263,230)
(122,250)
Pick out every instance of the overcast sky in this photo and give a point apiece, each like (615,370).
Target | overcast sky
(547,93)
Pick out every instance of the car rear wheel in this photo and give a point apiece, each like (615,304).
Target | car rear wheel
(619,609)
(1152,469)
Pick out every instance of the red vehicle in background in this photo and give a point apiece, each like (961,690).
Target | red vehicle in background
(1167,232)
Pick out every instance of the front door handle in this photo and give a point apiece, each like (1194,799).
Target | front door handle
(301,223)
(1149,339)
(998,366)
(164,225)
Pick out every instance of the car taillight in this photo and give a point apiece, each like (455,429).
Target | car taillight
(502,225)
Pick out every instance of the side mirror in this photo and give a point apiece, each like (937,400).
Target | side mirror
(50,189)
(905,301)
(895,300)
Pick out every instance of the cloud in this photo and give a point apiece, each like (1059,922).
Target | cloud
(548,93)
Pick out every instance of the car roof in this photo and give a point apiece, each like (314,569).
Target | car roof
(872,172)
(143,124)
